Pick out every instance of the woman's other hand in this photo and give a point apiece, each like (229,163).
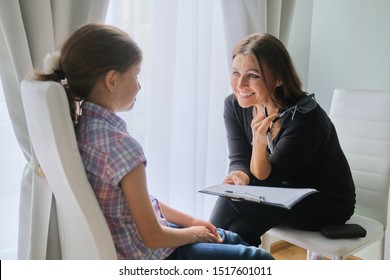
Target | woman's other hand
(237,178)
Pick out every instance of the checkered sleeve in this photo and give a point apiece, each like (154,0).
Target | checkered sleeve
(125,154)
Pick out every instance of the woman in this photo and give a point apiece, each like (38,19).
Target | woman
(98,67)
(279,136)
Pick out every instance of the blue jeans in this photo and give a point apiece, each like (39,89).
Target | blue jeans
(232,248)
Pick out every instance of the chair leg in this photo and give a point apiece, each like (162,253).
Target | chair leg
(313,256)
(266,242)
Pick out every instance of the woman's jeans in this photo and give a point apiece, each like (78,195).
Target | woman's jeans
(232,248)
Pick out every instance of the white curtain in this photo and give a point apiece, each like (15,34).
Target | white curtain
(29,30)
(243,17)
(187,81)
(191,44)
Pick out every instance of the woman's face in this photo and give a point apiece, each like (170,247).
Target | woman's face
(248,82)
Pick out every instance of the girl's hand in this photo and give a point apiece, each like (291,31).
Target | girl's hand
(209,226)
(203,234)
(237,178)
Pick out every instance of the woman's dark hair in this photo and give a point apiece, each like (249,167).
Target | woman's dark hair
(88,54)
(270,51)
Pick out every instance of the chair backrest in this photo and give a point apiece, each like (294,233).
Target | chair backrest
(84,233)
(362,121)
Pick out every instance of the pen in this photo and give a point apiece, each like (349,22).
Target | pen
(269,135)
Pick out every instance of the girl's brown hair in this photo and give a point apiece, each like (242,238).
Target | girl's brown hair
(270,51)
(87,55)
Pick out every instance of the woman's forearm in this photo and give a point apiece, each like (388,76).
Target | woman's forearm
(260,165)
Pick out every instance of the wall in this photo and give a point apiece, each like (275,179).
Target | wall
(300,38)
(350,44)
(341,43)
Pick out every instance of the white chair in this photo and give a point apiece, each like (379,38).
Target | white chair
(362,121)
(83,230)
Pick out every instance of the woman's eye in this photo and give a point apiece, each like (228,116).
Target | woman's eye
(235,73)
(253,76)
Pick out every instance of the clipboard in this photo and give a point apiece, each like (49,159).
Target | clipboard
(276,196)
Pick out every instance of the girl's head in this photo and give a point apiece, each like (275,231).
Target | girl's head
(263,71)
(92,55)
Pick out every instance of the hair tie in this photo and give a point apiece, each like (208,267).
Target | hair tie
(60,74)
(51,62)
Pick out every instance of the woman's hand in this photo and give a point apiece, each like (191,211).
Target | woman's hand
(260,165)
(260,127)
(237,178)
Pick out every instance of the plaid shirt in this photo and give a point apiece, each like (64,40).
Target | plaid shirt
(108,153)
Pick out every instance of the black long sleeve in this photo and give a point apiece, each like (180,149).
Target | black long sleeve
(306,153)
